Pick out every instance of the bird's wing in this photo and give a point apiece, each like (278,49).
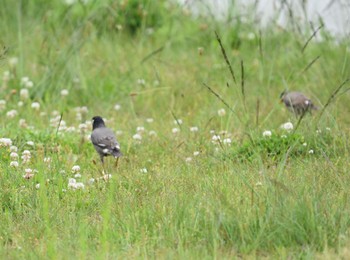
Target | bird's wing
(104,138)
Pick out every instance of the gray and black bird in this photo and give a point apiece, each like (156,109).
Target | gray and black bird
(104,139)
(297,102)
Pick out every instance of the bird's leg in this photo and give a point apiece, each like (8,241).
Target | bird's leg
(116,162)
(103,166)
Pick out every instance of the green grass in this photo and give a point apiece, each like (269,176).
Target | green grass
(259,197)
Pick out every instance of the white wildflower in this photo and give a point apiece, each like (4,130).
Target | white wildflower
(143,170)
(64,92)
(287,126)
(77,175)
(22,123)
(20,104)
(7,142)
(37,186)
(194,129)
(14,164)
(215,138)
(178,122)
(13,148)
(196,153)
(149,120)
(14,156)
(152,133)
(91,181)
(12,113)
(29,84)
(24,93)
(175,130)
(267,133)
(117,107)
(6,76)
(141,82)
(227,141)
(75,169)
(304,144)
(36,105)
(311,151)
(140,129)
(13,62)
(188,159)
(30,143)
(137,137)
(222,112)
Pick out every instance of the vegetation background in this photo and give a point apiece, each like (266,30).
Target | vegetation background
(198,178)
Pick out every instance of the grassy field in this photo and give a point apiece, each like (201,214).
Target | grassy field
(198,179)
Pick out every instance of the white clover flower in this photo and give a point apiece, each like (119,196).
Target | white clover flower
(2,104)
(178,122)
(84,110)
(212,132)
(222,112)
(20,104)
(77,175)
(29,84)
(215,138)
(175,130)
(37,186)
(194,129)
(76,186)
(152,133)
(14,164)
(328,129)
(143,170)
(196,153)
(24,93)
(36,105)
(304,144)
(267,133)
(283,136)
(311,151)
(14,156)
(28,173)
(83,127)
(91,181)
(141,82)
(287,126)
(12,113)
(106,177)
(64,92)
(318,131)
(258,184)
(22,123)
(117,107)
(6,76)
(137,137)
(13,61)
(24,80)
(149,120)
(188,159)
(75,169)
(118,132)
(7,142)
(30,143)
(26,152)
(140,129)
(227,141)
(13,148)
(47,160)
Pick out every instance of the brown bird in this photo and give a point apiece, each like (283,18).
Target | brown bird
(297,103)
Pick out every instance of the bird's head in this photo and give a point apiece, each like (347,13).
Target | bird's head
(282,95)
(97,122)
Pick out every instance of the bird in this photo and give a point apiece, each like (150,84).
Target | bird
(104,140)
(297,102)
